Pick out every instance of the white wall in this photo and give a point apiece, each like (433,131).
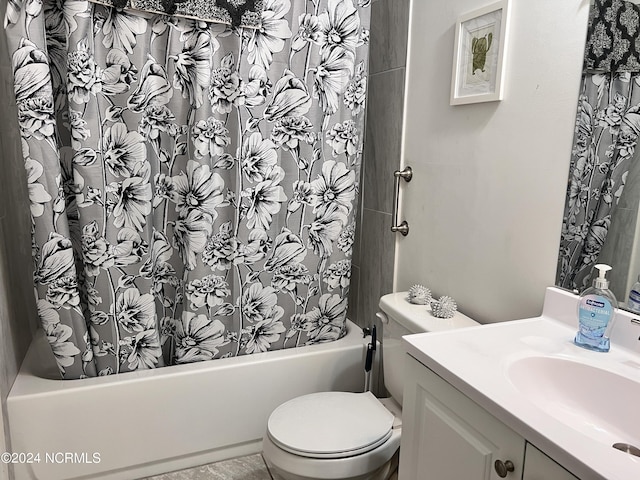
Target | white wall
(485,206)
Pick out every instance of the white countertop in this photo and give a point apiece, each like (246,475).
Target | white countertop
(477,360)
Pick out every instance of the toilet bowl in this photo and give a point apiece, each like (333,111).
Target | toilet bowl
(345,435)
(354,437)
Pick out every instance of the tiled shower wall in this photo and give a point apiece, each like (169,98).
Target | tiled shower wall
(373,256)
(620,249)
(17,306)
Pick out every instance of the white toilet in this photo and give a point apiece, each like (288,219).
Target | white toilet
(344,435)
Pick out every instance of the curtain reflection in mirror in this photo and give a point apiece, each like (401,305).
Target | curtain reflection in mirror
(605,139)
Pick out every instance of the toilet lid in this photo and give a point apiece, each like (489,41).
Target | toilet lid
(330,424)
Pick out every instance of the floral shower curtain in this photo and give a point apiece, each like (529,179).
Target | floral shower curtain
(605,140)
(192,184)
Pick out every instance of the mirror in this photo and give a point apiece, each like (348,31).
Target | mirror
(601,221)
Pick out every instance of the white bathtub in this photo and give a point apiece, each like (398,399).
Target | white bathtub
(138,424)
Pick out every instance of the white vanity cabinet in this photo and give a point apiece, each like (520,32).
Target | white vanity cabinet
(446,436)
(537,466)
(476,395)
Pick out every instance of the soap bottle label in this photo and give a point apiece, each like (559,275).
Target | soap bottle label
(595,313)
(634,300)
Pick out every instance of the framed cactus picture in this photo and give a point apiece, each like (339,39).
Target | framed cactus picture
(479,53)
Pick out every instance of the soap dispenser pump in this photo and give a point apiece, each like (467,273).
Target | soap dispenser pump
(596,311)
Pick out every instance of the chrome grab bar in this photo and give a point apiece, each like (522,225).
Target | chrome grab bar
(407,175)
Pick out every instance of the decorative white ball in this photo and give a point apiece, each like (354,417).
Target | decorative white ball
(445,307)
(419,295)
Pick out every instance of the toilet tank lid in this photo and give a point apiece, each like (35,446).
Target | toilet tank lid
(418,318)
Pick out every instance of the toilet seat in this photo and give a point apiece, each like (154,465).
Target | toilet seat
(330,425)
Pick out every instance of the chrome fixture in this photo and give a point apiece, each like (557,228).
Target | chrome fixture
(636,321)
(626,448)
(407,175)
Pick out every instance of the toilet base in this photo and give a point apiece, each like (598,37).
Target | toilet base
(388,471)
(377,464)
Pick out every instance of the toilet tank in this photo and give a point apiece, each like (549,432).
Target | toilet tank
(399,318)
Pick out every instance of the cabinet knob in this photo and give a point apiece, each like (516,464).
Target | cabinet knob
(503,468)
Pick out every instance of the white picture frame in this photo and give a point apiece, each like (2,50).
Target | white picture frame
(478,56)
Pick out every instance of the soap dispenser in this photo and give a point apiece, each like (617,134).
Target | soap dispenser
(634,297)
(596,311)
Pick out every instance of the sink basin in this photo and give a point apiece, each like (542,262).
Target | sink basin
(596,402)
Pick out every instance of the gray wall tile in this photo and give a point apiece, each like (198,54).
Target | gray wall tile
(374,248)
(618,251)
(376,272)
(389,32)
(355,256)
(383,138)
(354,288)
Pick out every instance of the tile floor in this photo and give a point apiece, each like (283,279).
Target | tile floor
(251,467)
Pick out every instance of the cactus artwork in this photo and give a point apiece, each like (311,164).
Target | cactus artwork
(479,48)
(479,53)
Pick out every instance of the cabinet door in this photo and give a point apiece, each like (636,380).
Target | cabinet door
(537,466)
(446,436)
